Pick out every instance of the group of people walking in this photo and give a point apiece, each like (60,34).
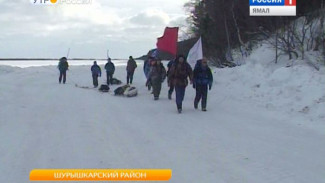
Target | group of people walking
(110,70)
(179,75)
(96,71)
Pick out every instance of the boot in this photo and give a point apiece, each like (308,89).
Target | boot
(204,107)
(179,108)
(195,105)
(169,96)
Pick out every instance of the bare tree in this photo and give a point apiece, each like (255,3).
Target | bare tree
(300,35)
(276,43)
(243,47)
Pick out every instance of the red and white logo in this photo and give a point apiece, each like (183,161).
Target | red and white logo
(290,2)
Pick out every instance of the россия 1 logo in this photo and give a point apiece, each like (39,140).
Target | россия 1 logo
(54,2)
(272,7)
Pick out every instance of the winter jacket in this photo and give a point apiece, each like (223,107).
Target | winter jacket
(95,70)
(131,66)
(179,73)
(110,67)
(169,66)
(146,68)
(63,65)
(145,65)
(202,75)
(157,73)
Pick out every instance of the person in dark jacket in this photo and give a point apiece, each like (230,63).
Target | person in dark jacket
(96,72)
(156,77)
(171,86)
(178,76)
(110,69)
(146,69)
(130,68)
(146,64)
(202,80)
(63,67)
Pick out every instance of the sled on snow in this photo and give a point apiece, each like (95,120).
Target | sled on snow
(102,88)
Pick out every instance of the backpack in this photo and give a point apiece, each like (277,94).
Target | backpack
(63,65)
(110,67)
(116,81)
(126,90)
(131,92)
(104,88)
(120,90)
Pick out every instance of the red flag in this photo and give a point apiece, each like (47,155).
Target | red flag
(168,42)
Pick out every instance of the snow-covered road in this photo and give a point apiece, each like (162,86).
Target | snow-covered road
(47,125)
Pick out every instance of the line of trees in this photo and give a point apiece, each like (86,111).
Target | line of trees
(225,25)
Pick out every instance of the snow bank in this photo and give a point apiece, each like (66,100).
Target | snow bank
(295,90)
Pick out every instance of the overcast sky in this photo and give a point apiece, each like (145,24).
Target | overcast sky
(125,27)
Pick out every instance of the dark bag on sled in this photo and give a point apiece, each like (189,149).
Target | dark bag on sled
(120,90)
(104,88)
(131,92)
(116,81)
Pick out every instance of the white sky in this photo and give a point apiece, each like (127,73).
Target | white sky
(125,27)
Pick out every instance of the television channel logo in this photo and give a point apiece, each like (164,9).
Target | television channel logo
(273,7)
(55,2)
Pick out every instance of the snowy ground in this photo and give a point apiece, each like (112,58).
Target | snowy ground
(263,125)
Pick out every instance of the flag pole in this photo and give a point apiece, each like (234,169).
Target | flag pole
(68,53)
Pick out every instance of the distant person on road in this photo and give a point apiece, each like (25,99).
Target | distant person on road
(156,77)
(178,75)
(63,66)
(171,86)
(110,69)
(130,68)
(96,72)
(202,79)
